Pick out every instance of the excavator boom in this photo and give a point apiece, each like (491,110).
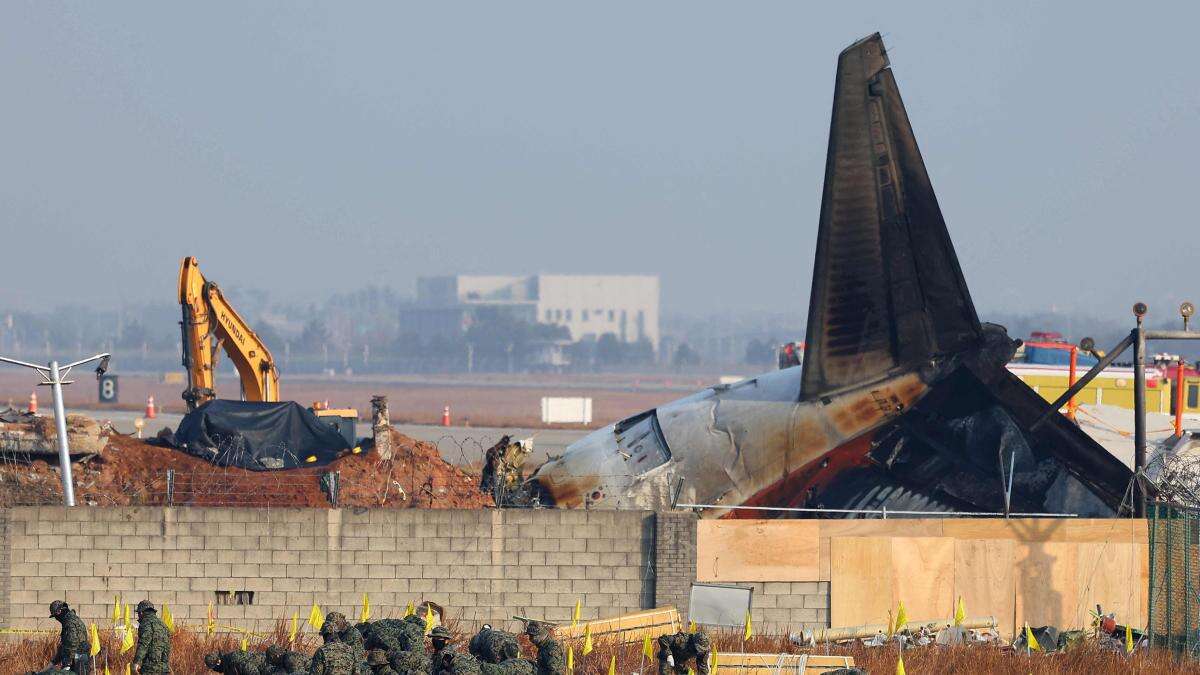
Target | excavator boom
(210,322)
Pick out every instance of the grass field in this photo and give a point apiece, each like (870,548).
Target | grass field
(189,646)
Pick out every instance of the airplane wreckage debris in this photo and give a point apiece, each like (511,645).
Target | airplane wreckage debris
(903,401)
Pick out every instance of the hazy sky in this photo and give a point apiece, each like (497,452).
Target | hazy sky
(306,148)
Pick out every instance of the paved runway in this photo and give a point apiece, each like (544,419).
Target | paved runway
(459,445)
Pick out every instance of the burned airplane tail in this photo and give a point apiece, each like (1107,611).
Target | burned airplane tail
(888,296)
(887,292)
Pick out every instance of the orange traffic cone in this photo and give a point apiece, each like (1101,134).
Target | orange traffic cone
(150,412)
(446,416)
(33,403)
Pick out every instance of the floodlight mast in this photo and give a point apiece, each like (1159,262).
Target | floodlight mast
(52,376)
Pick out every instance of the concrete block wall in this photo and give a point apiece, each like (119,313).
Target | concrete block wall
(675,559)
(482,565)
(788,606)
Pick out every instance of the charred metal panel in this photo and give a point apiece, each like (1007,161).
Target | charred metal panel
(887,289)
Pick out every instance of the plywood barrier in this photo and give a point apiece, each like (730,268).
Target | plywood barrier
(774,664)
(1044,571)
(627,627)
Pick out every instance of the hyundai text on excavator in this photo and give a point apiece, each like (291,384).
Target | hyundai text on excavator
(210,324)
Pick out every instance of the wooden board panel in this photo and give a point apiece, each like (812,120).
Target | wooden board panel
(983,578)
(896,527)
(627,627)
(923,576)
(861,586)
(1110,575)
(1048,529)
(757,550)
(1046,584)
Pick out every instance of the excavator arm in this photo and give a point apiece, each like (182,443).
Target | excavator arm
(210,323)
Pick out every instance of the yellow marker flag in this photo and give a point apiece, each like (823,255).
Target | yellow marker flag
(106,670)
(901,617)
(167,619)
(570,658)
(900,665)
(891,629)
(587,640)
(714,661)
(128,669)
(365,614)
(116,608)
(690,671)
(612,665)
(647,647)
(210,625)
(960,612)
(245,643)
(93,640)
(127,624)
(127,640)
(428,618)
(1031,640)
(691,626)
(410,610)
(1128,640)
(315,618)
(749,631)
(578,612)
(295,626)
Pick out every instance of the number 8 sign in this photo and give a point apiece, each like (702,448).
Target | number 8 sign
(108,389)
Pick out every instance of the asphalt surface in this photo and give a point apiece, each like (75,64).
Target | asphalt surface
(458,445)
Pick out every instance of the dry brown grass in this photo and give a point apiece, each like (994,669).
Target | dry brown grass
(188,647)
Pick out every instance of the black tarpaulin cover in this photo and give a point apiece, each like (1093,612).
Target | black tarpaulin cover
(258,436)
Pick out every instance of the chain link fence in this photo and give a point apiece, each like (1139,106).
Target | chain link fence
(1174,597)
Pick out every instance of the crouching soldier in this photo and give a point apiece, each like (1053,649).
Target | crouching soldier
(237,663)
(72,655)
(334,657)
(550,659)
(283,662)
(446,660)
(674,651)
(511,663)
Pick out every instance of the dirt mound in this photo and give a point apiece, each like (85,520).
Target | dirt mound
(132,472)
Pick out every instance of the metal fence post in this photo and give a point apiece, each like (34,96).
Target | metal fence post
(170,487)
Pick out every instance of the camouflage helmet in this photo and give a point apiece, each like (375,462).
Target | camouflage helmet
(440,633)
(145,606)
(536,628)
(510,650)
(377,657)
(213,661)
(274,653)
(338,620)
(329,628)
(57,607)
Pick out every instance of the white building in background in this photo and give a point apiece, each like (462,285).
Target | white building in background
(587,305)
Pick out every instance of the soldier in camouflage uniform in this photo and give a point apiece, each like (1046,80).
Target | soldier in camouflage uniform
(153,656)
(511,663)
(334,657)
(674,651)
(410,663)
(283,662)
(488,644)
(349,634)
(550,659)
(73,648)
(377,659)
(412,633)
(237,663)
(446,660)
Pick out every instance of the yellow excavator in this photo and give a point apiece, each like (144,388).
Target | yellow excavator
(211,325)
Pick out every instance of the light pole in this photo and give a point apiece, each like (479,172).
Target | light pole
(52,375)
